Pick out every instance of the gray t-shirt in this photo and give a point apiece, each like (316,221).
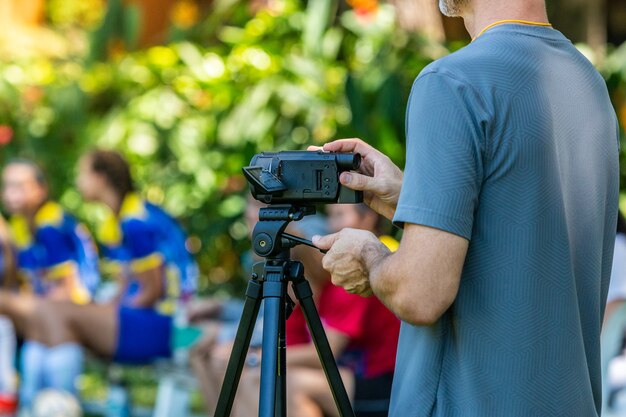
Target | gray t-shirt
(512,143)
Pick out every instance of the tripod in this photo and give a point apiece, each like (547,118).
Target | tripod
(269,282)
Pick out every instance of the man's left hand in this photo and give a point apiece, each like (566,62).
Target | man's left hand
(351,256)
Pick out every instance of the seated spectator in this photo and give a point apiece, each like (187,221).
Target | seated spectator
(7,257)
(8,374)
(210,356)
(360,216)
(154,269)
(220,320)
(56,257)
(361,332)
(367,345)
(55,254)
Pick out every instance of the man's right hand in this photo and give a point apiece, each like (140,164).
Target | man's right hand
(378,177)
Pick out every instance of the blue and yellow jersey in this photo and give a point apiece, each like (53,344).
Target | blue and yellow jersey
(145,237)
(56,246)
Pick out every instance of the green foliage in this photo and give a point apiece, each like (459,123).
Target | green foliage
(141,382)
(119,24)
(74,13)
(615,74)
(190,114)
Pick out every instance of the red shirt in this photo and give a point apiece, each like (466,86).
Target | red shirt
(373,330)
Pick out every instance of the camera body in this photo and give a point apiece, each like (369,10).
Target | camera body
(302,177)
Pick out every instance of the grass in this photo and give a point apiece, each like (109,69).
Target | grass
(141,381)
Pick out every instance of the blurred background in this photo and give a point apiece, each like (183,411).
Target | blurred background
(189,90)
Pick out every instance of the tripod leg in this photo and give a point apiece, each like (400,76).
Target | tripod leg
(304,294)
(240,349)
(274,291)
(281,378)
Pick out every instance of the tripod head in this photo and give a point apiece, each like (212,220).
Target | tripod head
(269,239)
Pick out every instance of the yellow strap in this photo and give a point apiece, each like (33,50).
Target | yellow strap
(390,242)
(154,260)
(61,270)
(519,22)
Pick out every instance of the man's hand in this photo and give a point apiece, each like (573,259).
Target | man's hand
(351,256)
(378,177)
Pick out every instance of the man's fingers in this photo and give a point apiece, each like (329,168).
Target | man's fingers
(348,145)
(358,181)
(315,148)
(325,242)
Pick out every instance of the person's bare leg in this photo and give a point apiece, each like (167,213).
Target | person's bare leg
(93,326)
(20,308)
(199,359)
(60,326)
(309,394)
(301,405)
(211,368)
(247,399)
(56,322)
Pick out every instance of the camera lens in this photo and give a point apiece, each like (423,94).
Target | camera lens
(348,161)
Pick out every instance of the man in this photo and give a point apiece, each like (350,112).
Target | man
(509,211)
(55,253)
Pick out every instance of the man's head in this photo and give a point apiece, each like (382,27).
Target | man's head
(103,169)
(453,8)
(24,187)
(353,216)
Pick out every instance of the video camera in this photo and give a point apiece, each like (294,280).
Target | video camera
(302,177)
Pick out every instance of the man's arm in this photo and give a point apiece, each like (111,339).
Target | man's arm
(418,282)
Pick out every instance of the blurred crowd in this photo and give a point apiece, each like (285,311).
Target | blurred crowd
(53,308)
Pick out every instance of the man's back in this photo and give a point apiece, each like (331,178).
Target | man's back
(537,144)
